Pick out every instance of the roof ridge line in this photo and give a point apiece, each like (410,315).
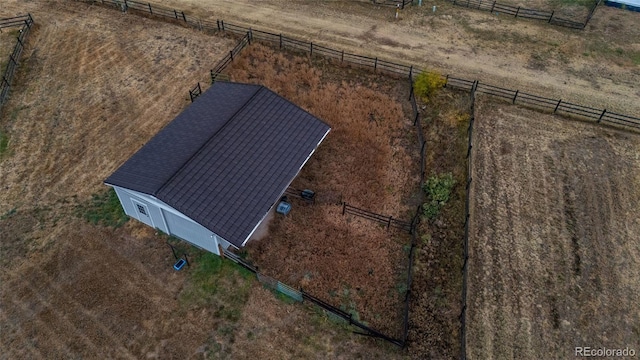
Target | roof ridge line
(261,87)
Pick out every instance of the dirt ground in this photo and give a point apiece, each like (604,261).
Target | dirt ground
(555,210)
(369,160)
(596,67)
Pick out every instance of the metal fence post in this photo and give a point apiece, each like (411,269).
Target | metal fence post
(311,49)
(184,17)
(556,109)
(517,11)
(342,56)
(493,6)
(344,205)
(601,115)
(150,10)
(175,13)
(551,17)
(280,40)
(231,55)
(375,65)
(515,96)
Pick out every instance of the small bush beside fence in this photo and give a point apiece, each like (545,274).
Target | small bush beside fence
(26,21)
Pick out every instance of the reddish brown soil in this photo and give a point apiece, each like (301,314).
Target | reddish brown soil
(367,160)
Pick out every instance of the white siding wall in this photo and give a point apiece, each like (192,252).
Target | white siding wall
(169,220)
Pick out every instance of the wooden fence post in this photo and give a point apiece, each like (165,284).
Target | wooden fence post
(342,56)
(184,17)
(175,13)
(601,115)
(515,96)
(493,6)
(218,24)
(556,109)
(280,40)
(222,24)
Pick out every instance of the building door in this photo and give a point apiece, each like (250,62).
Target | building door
(142,212)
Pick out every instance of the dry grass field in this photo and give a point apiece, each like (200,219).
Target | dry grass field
(369,160)
(554,250)
(8,39)
(88,94)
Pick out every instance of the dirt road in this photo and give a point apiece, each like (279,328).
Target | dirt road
(599,66)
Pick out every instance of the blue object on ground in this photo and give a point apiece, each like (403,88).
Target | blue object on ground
(283,208)
(179,265)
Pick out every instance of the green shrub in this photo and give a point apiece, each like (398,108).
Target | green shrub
(427,83)
(438,190)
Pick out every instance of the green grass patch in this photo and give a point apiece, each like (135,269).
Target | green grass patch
(103,209)
(214,281)
(438,191)
(4,143)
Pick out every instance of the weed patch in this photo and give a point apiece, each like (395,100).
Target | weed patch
(103,209)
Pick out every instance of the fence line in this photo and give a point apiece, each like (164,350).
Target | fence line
(517,11)
(467,216)
(301,295)
(7,77)
(195,92)
(388,220)
(375,63)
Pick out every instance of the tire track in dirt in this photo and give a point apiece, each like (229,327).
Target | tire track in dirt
(80,321)
(555,220)
(14,335)
(38,331)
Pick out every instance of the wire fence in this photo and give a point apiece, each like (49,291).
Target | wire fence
(467,216)
(301,296)
(521,12)
(26,22)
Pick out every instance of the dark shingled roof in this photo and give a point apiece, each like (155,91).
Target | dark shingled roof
(226,159)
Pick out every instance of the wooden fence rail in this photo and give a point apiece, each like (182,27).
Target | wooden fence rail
(521,12)
(389,221)
(26,22)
